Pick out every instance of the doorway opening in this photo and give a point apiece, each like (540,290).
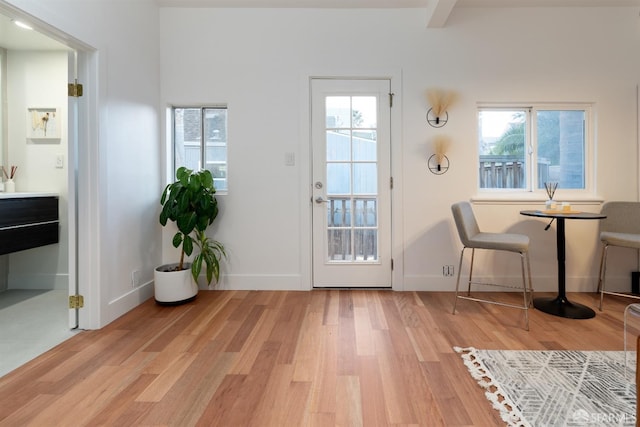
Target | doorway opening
(35,284)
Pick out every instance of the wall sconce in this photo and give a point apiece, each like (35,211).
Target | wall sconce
(440,101)
(438,163)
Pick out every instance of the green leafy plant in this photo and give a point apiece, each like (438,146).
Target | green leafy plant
(190,202)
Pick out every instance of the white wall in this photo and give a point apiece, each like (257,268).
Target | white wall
(125,233)
(38,79)
(255,60)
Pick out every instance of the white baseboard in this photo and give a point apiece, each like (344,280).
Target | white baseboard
(261,282)
(124,303)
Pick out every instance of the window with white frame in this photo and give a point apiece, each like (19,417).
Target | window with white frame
(200,141)
(521,148)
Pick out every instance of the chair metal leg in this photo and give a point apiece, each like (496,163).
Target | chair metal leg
(530,282)
(473,254)
(601,265)
(527,289)
(524,292)
(603,272)
(455,301)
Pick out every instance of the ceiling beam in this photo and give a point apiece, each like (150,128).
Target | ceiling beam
(438,12)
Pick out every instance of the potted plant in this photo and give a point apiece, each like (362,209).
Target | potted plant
(191,204)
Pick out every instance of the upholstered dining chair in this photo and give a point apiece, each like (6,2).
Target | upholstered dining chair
(472,238)
(620,228)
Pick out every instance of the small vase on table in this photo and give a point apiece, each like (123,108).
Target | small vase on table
(9,186)
(551,188)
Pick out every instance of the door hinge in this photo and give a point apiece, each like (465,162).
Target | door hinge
(391,183)
(391,264)
(75,89)
(76,301)
(391,95)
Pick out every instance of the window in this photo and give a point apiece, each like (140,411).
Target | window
(200,141)
(522,148)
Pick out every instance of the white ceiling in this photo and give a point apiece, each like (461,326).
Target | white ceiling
(13,37)
(437,11)
(547,3)
(349,4)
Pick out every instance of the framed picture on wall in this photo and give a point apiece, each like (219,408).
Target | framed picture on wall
(43,123)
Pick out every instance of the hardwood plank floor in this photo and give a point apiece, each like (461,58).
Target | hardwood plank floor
(318,358)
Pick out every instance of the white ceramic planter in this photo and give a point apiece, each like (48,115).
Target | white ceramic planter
(174,287)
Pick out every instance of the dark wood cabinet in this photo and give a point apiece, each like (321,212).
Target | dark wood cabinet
(28,222)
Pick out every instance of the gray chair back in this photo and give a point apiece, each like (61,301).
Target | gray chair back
(465,222)
(622,217)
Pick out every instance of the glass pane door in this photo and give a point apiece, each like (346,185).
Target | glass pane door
(351,176)
(351,161)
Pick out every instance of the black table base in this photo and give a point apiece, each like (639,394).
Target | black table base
(562,307)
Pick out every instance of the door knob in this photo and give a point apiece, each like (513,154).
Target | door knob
(321,200)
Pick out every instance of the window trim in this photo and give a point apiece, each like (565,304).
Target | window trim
(172,129)
(586,194)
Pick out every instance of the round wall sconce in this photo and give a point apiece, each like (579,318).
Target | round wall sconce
(438,168)
(435,121)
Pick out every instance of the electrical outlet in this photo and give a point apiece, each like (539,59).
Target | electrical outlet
(135,278)
(59,161)
(447,270)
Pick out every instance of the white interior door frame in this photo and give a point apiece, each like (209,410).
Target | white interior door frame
(86,172)
(72,220)
(82,161)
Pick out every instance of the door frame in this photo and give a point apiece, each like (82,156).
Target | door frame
(82,167)
(352,273)
(87,192)
(306,181)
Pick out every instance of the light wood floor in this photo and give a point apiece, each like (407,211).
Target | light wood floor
(319,358)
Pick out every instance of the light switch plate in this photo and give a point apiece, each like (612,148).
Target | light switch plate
(289,159)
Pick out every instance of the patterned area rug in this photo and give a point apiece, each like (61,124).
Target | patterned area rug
(557,388)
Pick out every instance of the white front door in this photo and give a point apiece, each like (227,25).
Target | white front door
(351,180)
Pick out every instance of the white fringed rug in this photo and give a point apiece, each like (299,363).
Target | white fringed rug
(556,388)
